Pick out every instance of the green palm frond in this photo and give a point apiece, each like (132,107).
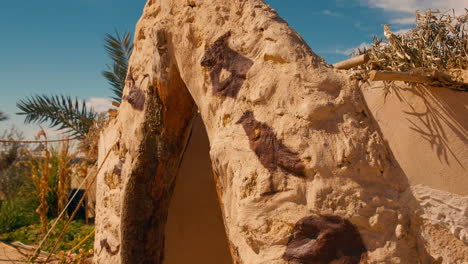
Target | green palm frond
(3,117)
(118,48)
(62,112)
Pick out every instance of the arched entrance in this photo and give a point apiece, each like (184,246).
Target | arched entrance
(194,231)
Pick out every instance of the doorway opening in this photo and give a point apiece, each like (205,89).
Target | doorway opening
(195,231)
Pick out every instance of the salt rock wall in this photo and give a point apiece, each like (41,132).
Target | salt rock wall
(302,171)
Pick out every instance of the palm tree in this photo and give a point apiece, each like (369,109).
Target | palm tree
(71,114)
(119,50)
(62,112)
(3,116)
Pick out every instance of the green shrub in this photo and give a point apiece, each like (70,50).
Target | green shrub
(76,232)
(18,212)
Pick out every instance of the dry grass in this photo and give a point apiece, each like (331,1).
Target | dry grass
(89,145)
(439,42)
(40,174)
(64,175)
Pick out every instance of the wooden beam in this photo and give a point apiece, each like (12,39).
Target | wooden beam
(399,76)
(438,78)
(352,62)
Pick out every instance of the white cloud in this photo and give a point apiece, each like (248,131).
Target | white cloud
(402,31)
(349,51)
(346,52)
(330,13)
(410,6)
(100,104)
(362,26)
(403,20)
(403,10)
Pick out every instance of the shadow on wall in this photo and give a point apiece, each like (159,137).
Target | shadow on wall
(442,109)
(195,231)
(427,130)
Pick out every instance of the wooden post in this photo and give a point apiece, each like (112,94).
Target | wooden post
(352,62)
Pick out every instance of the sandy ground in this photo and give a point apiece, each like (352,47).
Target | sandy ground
(15,253)
(11,254)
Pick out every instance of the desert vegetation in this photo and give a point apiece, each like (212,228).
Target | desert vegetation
(434,52)
(35,184)
(35,175)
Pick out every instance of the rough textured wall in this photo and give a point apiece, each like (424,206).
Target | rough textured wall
(302,172)
(195,230)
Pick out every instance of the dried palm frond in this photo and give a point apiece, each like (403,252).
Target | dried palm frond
(438,43)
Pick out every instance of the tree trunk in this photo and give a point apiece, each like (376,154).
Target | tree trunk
(302,172)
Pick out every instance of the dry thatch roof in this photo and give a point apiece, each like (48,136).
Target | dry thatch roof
(438,43)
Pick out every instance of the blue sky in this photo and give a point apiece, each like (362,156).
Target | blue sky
(55,46)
